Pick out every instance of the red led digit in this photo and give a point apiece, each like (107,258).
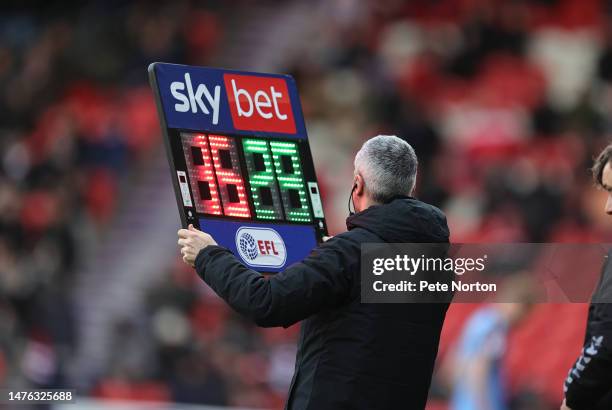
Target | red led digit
(201,173)
(227,168)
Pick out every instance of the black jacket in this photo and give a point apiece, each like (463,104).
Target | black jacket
(350,355)
(589,382)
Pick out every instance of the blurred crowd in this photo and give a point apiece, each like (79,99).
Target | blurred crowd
(505,102)
(77,122)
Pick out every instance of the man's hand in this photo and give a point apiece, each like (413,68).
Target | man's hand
(192,242)
(564,406)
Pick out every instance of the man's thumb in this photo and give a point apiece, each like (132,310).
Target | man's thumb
(191,228)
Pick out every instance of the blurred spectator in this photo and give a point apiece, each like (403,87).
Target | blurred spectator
(478,376)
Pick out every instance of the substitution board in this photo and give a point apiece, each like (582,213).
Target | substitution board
(240,161)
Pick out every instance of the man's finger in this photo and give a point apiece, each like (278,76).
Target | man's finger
(184,242)
(188,250)
(184,233)
(191,228)
(189,259)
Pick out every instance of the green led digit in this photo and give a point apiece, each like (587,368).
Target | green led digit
(264,191)
(288,169)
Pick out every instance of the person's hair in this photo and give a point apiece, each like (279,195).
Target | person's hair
(600,163)
(388,166)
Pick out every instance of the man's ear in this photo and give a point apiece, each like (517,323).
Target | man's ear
(359,185)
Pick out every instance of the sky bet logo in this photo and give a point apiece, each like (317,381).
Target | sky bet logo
(256,103)
(192,101)
(259,103)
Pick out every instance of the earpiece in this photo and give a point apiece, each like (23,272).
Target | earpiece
(351,213)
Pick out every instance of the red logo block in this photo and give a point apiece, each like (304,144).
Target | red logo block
(259,103)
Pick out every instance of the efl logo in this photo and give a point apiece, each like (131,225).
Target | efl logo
(259,103)
(261,247)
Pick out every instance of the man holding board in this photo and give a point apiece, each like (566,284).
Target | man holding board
(351,355)
(247,193)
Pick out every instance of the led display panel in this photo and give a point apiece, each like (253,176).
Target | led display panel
(241,164)
(262,179)
(201,173)
(229,176)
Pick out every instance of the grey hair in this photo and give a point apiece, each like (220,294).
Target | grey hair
(388,165)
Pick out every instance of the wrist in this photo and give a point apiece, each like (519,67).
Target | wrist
(204,256)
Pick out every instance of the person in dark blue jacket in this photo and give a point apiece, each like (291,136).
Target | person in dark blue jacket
(351,355)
